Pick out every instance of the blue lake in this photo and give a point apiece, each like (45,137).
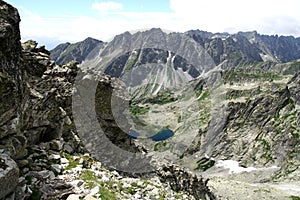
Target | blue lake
(160,136)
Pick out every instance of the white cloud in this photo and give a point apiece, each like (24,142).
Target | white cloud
(107,6)
(268,16)
(236,15)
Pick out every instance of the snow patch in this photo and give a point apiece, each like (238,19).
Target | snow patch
(233,166)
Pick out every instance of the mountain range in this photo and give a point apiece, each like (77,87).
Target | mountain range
(227,50)
(211,116)
(232,97)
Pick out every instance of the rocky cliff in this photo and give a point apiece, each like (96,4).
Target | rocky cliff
(41,153)
(227,50)
(64,53)
(240,106)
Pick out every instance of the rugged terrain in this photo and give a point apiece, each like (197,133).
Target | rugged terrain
(41,153)
(232,101)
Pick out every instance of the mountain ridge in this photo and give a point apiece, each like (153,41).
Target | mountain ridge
(241,109)
(252,45)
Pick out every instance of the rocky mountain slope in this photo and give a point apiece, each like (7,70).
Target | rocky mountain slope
(236,106)
(230,50)
(232,102)
(64,53)
(42,155)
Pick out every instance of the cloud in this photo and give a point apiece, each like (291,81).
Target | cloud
(267,17)
(236,15)
(107,6)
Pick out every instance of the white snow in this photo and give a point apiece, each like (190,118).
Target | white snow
(233,166)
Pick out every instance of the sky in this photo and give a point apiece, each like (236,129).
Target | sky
(51,22)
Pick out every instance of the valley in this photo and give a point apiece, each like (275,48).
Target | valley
(149,115)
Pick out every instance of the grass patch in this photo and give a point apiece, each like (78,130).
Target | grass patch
(294,197)
(106,194)
(88,175)
(138,110)
(202,95)
(72,162)
(294,68)
(160,146)
(162,97)
(237,75)
(204,164)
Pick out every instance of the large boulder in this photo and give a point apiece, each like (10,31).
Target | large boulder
(9,175)
(10,72)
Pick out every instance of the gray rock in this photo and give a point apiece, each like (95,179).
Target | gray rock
(73,197)
(56,145)
(9,175)
(56,168)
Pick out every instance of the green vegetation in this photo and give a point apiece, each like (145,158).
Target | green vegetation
(138,110)
(109,189)
(160,146)
(295,197)
(238,75)
(163,97)
(295,67)
(130,62)
(69,49)
(72,162)
(106,194)
(35,195)
(161,197)
(88,175)
(201,95)
(204,164)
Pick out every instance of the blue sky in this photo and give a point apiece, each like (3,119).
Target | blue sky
(51,22)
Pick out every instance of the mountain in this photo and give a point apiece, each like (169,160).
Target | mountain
(48,147)
(214,116)
(230,50)
(228,98)
(181,57)
(64,53)
(248,46)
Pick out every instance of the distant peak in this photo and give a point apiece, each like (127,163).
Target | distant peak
(92,39)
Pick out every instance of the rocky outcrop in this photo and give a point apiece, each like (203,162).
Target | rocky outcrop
(11,73)
(67,52)
(181,180)
(37,128)
(259,126)
(9,175)
(247,47)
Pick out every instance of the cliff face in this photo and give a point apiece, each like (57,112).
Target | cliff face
(67,52)
(247,47)
(227,50)
(11,72)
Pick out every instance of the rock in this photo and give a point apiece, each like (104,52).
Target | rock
(55,157)
(68,148)
(55,145)
(182,180)
(56,168)
(104,178)
(9,175)
(46,174)
(89,197)
(22,163)
(94,190)
(73,197)
(78,51)
(80,183)
(30,45)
